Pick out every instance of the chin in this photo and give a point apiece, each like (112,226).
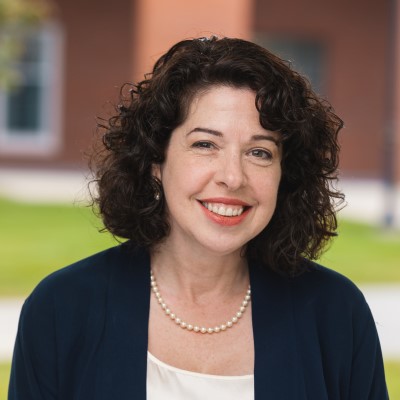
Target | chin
(224,249)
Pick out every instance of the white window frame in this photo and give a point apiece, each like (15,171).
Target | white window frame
(48,139)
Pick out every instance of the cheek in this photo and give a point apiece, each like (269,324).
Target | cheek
(181,178)
(192,172)
(267,185)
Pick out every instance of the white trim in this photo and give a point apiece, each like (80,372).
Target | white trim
(196,374)
(368,200)
(46,141)
(30,185)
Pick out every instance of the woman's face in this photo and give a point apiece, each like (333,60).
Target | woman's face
(221,173)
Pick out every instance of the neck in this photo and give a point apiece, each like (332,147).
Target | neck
(199,277)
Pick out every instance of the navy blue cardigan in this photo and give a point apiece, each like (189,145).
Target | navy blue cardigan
(83,334)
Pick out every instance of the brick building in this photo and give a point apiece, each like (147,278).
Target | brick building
(77,61)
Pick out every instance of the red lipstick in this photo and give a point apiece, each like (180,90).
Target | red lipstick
(222,219)
(225,200)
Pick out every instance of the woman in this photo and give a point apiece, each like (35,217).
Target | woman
(218,169)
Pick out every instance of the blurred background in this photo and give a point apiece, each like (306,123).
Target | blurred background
(62,64)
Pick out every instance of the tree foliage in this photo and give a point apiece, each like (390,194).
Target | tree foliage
(15,17)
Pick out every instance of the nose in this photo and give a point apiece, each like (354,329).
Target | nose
(230,172)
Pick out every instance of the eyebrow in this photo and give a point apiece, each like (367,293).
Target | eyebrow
(206,130)
(220,134)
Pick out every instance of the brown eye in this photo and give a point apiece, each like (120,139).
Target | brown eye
(263,154)
(203,145)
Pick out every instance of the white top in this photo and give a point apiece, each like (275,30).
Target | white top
(165,382)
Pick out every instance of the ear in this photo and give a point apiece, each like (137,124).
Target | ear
(156,171)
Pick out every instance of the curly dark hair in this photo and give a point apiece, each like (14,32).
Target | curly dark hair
(137,137)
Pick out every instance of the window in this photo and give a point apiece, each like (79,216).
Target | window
(306,56)
(30,111)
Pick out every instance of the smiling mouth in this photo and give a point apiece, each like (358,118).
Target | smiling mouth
(224,209)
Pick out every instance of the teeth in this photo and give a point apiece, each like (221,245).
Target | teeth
(229,211)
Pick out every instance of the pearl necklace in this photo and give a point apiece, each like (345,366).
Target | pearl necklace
(196,328)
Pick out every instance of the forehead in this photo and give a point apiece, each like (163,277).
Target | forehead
(223,99)
(228,110)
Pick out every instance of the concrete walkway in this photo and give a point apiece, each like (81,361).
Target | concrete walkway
(384,301)
(9,315)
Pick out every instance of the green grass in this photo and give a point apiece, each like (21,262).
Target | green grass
(392,369)
(4,379)
(365,254)
(38,239)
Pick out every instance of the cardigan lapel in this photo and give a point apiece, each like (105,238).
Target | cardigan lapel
(124,365)
(277,372)
(126,334)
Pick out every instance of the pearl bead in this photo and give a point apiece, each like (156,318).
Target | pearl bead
(195,328)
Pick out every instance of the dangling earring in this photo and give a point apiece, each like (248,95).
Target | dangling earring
(156,189)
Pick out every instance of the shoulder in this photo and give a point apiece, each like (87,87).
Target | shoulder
(85,273)
(76,300)
(315,283)
(331,298)
(318,296)
(85,280)
(324,283)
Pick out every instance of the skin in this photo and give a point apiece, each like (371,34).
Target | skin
(222,159)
